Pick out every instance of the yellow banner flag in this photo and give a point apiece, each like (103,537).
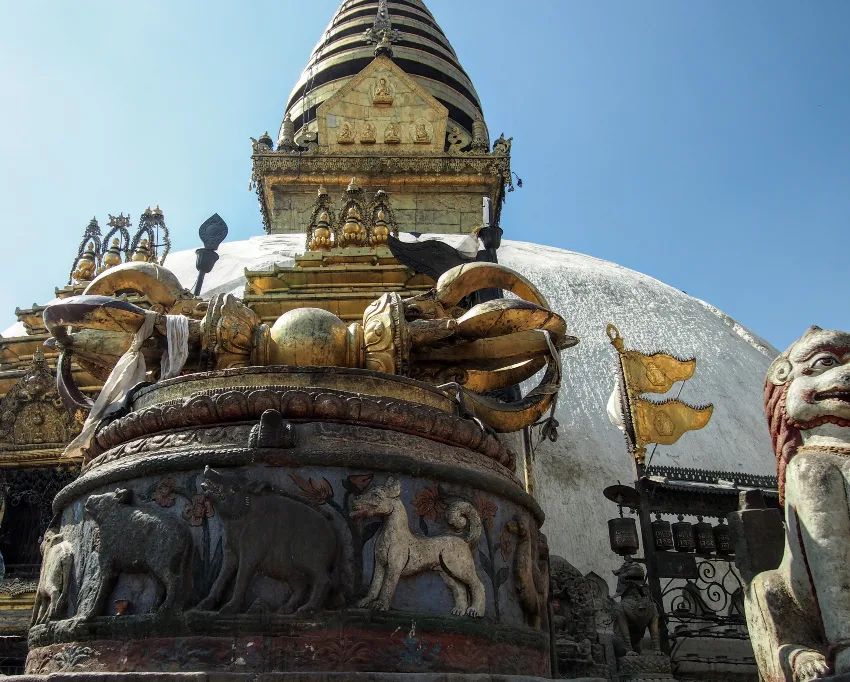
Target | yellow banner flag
(665,423)
(654,373)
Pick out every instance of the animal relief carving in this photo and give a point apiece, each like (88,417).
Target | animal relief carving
(401,554)
(270,532)
(51,597)
(134,540)
(532,584)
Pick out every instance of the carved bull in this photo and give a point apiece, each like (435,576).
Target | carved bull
(270,532)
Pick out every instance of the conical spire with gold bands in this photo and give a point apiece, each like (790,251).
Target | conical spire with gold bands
(419,47)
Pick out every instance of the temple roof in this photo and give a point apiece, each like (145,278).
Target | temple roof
(419,47)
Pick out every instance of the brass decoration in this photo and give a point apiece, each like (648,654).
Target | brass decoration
(421,134)
(90,247)
(350,230)
(392,135)
(647,421)
(116,243)
(86,265)
(383,95)
(427,335)
(145,245)
(384,334)
(381,220)
(32,413)
(142,253)
(233,335)
(112,257)
(346,133)
(369,134)
(319,231)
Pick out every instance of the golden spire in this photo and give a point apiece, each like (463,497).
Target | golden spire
(86,265)
(112,257)
(142,253)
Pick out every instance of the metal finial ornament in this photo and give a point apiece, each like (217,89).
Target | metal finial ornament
(91,236)
(150,225)
(382,32)
(213,232)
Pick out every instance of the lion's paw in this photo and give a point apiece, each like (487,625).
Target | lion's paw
(381,605)
(810,665)
(458,612)
(365,603)
(474,613)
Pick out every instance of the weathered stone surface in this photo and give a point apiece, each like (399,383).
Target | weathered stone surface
(798,615)
(285,677)
(233,546)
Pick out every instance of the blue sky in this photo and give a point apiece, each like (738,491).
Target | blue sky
(704,143)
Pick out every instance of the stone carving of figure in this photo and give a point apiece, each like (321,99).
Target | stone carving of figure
(392,135)
(383,96)
(799,614)
(51,598)
(303,552)
(369,133)
(421,135)
(346,133)
(399,553)
(502,145)
(135,540)
(574,625)
(635,612)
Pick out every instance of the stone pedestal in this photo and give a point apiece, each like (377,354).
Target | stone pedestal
(645,667)
(254,522)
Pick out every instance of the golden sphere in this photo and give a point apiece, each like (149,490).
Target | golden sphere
(309,337)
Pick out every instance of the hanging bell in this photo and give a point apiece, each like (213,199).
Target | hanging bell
(623,536)
(662,534)
(704,535)
(683,536)
(723,539)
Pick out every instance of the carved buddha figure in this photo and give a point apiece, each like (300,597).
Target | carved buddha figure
(799,614)
(346,133)
(392,135)
(421,135)
(383,96)
(369,133)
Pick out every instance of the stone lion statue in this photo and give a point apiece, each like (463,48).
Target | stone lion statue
(799,614)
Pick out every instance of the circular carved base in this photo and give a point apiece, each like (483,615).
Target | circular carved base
(355,640)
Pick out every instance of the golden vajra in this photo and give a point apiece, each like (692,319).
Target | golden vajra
(428,337)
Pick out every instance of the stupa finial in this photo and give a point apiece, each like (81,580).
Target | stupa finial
(382,32)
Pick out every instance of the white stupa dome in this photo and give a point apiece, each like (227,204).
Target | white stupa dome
(591,453)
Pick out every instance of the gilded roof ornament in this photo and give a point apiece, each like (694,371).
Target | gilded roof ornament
(91,242)
(154,233)
(382,33)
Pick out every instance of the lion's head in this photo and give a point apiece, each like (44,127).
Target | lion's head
(807,387)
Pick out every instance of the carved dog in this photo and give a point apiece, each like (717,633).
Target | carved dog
(281,536)
(400,554)
(635,612)
(799,614)
(51,597)
(134,540)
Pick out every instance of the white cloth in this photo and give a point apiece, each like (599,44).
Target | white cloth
(177,335)
(129,371)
